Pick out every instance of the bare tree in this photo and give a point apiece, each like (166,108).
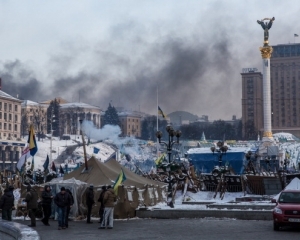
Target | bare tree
(24,122)
(39,117)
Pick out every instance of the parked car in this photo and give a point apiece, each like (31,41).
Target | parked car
(287,209)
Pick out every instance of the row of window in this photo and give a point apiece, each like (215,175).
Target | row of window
(9,116)
(132,120)
(8,126)
(8,107)
(9,135)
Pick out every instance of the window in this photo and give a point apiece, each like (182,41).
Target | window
(129,126)
(16,108)
(16,118)
(5,106)
(5,117)
(0,115)
(5,126)
(9,107)
(9,117)
(16,127)
(0,125)
(0,105)
(9,126)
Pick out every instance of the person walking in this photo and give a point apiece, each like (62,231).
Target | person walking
(32,205)
(62,200)
(69,207)
(47,198)
(109,200)
(6,204)
(100,199)
(89,202)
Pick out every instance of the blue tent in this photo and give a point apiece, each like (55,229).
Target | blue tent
(204,160)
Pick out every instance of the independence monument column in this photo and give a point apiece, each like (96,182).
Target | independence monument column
(266,52)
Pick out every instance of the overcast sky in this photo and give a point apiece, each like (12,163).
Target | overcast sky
(122,51)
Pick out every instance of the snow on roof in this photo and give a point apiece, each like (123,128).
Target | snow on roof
(128,113)
(207,150)
(283,135)
(79,105)
(29,103)
(6,95)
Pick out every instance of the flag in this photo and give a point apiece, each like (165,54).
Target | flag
(61,170)
(31,141)
(296,35)
(121,178)
(161,112)
(22,160)
(96,150)
(53,168)
(32,164)
(46,164)
(160,159)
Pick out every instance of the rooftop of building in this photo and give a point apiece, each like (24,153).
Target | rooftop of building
(7,96)
(78,105)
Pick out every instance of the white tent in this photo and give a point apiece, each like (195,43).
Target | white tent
(293,185)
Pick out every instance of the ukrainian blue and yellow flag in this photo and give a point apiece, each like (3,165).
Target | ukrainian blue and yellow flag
(161,112)
(160,159)
(31,141)
(121,178)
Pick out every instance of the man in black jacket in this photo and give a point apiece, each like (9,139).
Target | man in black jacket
(100,199)
(69,207)
(89,202)
(46,203)
(6,204)
(31,199)
(62,200)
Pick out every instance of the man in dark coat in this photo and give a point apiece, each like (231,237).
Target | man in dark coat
(69,207)
(46,203)
(32,205)
(100,199)
(6,204)
(89,202)
(62,200)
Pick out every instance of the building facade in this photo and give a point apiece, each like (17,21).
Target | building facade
(11,144)
(285,85)
(252,103)
(130,124)
(36,114)
(71,113)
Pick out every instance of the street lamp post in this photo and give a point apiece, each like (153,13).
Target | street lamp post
(52,115)
(83,143)
(169,145)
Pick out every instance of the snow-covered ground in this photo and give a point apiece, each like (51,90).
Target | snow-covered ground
(59,146)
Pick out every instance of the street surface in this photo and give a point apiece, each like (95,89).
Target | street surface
(183,229)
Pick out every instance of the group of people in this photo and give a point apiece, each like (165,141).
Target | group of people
(64,201)
(107,200)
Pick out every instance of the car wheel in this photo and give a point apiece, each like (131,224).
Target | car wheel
(276,226)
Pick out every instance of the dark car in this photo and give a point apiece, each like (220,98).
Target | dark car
(287,209)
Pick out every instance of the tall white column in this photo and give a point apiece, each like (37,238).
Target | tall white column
(266,52)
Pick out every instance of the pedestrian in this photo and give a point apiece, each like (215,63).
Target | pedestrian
(89,202)
(7,204)
(69,207)
(100,199)
(62,200)
(32,205)
(47,198)
(109,200)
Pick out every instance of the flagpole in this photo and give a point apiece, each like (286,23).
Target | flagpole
(157,119)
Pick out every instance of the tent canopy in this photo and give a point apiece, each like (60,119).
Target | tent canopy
(105,174)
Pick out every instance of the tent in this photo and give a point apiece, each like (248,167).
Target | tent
(100,174)
(135,190)
(293,185)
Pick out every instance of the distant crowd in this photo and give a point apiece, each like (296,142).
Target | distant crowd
(63,201)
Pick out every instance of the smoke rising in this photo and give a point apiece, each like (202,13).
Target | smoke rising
(193,58)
